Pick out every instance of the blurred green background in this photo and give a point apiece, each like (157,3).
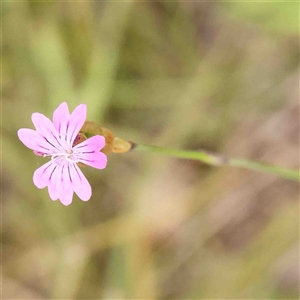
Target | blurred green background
(190,75)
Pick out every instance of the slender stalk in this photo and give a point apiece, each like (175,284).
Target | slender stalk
(202,155)
(219,160)
(265,168)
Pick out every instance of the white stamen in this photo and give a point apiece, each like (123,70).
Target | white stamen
(66,155)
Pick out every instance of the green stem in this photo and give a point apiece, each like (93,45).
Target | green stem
(202,155)
(265,168)
(219,160)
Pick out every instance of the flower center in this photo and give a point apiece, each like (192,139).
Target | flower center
(68,155)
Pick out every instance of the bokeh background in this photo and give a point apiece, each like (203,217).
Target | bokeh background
(214,75)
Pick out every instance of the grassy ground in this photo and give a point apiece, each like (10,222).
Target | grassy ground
(214,75)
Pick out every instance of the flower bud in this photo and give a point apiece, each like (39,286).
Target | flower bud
(91,128)
(121,146)
(112,144)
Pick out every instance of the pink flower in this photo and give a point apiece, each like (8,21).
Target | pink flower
(62,174)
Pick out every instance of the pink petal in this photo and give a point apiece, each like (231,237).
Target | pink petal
(61,120)
(76,121)
(96,160)
(94,143)
(79,183)
(60,115)
(55,179)
(88,152)
(46,128)
(67,196)
(64,185)
(43,174)
(52,190)
(34,141)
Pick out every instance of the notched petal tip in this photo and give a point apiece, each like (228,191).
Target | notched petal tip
(101,141)
(96,160)
(42,175)
(20,134)
(94,143)
(102,158)
(65,203)
(76,121)
(82,108)
(79,114)
(66,196)
(30,138)
(80,184)
(97,141)
(62,108)
(35,115)
(61,115)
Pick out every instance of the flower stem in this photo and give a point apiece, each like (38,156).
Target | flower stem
(202,155)
(265,168)
(220,160)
